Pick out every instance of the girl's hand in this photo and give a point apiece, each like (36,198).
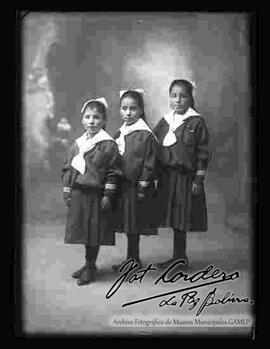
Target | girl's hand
(140,196)
(68,202)
(197,188)
(67,198)
(105,203)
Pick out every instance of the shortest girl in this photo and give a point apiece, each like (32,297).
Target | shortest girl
(89,185)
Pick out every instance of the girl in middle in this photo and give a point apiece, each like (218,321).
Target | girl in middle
(137,147)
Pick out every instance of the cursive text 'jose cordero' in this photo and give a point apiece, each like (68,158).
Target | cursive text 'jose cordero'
(189,295)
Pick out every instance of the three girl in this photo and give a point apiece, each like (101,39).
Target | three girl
(175,153)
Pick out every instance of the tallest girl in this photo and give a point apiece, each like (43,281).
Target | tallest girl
(183,159)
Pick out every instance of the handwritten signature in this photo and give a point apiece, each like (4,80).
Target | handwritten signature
(190,297)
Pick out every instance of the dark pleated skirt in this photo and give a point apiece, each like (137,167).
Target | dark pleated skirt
(87,224)
(176,206)
(136,217)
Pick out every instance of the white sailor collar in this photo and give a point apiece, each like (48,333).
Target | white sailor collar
(175,120)
(139,125)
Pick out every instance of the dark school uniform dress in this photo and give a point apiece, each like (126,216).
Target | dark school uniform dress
(87,223)
(176,206)
(138,167)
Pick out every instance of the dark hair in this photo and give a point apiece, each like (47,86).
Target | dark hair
(96,105)
(137,97)
(187,85)
(100,107)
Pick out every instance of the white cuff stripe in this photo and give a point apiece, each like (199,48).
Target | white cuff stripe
(110,186)
(144,183)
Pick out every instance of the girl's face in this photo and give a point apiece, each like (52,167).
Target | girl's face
(130,111)
(179,99)
(92,121)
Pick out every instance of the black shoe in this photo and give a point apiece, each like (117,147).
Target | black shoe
(87,276)
(77,273)
(165,265)
(116,267)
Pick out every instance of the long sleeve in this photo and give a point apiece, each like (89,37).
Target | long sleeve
(113,172)
(148,173)
(66,169)
(202,152)
(164,155)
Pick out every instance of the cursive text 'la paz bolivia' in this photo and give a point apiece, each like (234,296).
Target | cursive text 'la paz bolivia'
(191,298)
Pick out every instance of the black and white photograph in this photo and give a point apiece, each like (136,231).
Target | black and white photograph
(137,173)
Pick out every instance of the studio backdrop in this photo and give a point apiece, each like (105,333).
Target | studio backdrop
(67,58)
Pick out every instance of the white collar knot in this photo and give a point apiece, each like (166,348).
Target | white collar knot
(85,144)
(175,120)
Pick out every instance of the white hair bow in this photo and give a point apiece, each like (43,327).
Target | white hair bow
(101,100)
(139,90)
(193,84)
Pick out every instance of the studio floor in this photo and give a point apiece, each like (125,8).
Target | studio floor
(54,304)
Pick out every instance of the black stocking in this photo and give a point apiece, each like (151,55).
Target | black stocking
(179,244)
(133,246)
(91,253)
